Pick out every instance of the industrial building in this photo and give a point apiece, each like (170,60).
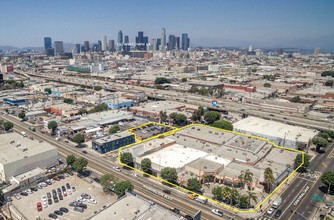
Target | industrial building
(19,154)
(282,134)
(112,142)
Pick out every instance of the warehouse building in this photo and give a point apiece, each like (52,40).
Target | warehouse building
(112,142)
(20,155)
(282,134)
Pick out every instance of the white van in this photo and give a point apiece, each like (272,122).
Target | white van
(277,202)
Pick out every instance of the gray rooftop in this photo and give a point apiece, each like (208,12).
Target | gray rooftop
(112,137)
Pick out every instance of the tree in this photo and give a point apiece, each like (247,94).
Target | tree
(296,99)
(121,187)
(267,85)
(179,119)
(47,90)
(146,165)
(329,83)
(320,143)
(97,88)
(217,193)
(8,125)
(327,73)
(127,158)
(327,178)
(107,181)
(78,138)
(70,159)
(184,80)
(223,125)
(114,129)
(330,133)
(169,174)
(269,179)
(234,196)
(52,125)
(80,164)
(211,116)
(194,185)
(299,160)
(21,115)
(227,193)
(248,177)
(244,202)
(197,114)
(82,111)
(324,135)
(161,80)
(163,116)
(251,196)
(69,101)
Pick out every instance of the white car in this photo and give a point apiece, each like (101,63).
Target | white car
(117,169)
(134,174)
(29,191)
(92,201)
(45,204)
(69,192)
(81,199)
(66,175)
(217,212)
(270,211)
(17,196)
(44,198)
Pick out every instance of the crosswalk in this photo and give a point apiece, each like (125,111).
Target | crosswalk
(264,218)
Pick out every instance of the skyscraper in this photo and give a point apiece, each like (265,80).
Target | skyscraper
(163,39)
(177,41)
(86,44)
(77,48)
(104,43)
(59,47)
(316,51)
(171,42)
(185,42)
(47,43)
(99,46)
(158,44)
(120,41)
(111,45)
(141,41)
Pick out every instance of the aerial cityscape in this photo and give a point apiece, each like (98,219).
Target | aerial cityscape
(167,110)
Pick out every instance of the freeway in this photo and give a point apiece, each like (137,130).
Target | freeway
(102,165)
(291,118)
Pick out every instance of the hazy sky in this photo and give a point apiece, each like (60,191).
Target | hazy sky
(262,23)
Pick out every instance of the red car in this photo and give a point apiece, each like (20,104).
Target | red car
(39,206)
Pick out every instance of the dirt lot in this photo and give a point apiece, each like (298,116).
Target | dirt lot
(27,204)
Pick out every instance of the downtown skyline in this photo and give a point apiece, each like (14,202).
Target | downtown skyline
(220,23)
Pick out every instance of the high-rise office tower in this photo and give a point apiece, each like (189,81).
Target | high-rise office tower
(120,41)
(111,45)
(177,41)
(126,47)
(47,43)
(141,41)
(185,41)
(153,45)
(163,39)
(158,44)
(82,49)
(59,47)
(77,48)
(316,51)
(86,44)
(104,43)
(171,42)
(99,48)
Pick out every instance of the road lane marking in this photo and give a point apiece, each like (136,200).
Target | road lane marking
(330,154)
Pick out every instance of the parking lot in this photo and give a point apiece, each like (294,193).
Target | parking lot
(150,130)
(27,205)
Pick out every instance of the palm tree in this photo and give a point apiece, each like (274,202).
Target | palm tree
(248,177)
(241,178)
(269,178)
(235,196)
(251,196)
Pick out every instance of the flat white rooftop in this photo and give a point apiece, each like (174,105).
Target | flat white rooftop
(253,125)
(175,156)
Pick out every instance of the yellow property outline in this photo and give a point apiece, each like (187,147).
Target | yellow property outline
(175,129)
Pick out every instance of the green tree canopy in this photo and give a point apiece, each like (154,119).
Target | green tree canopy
(327,73)
(169,174)
(327,178)
(80,164)
(99,108)
(244,201)
(163,116)
(296,99)
(114,129)
(97,88)
(127,158)
(211,116)
(320,143)
(194,185)
(7,125)
(107,181)
(267,85)
(82,111)
(161,80)
(67,100)
(52,125)
(70,159)
(330,133)
(78,138)
(121,187)
(299,160)
(329,83)
(47,90)
(217,193)
(269,179)
(184,80)
(21,115)
(223,125)
(324,135)
(146,165)
(179,119)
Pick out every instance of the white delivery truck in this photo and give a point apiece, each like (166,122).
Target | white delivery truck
(277,202)
(201,199)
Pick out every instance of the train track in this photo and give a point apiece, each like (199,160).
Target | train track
(185,205)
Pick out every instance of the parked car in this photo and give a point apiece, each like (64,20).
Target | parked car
(63,188)
(39,206)
(84,206)
(48,195)
(45,204)
(217,212)
(270,211)
(23,194)
(63,209)
(96,180)
(50,201)
(68,186)
(91,201)
(52,215)
(58,212)
(61,196)
(29,191)
(85,195)
(34,189)
(78,209)
(43,198)
(327,205)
